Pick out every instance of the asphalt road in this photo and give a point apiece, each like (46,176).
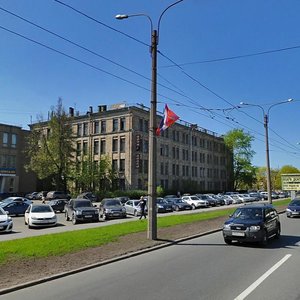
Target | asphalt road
(202,268)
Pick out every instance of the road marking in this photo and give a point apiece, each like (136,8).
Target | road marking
(255,284)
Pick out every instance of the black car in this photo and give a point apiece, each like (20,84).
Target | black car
(293,209)
(252,223)
(88,195)
(163,206)
(81,210)
(112,208)
(58,204)
(178,204)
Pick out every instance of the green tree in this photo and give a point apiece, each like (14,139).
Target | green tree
(50,148)
(239,143)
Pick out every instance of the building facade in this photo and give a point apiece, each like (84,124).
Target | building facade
(187,155)
(13,177)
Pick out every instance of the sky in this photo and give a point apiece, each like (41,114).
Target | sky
(212,55)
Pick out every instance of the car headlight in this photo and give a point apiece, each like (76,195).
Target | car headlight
(78,212)
(9,219)
(160,206)
(288,210)
(226,226)
(254,228)
(34,218)
(107,210)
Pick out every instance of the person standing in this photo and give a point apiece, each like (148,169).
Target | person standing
(142,205)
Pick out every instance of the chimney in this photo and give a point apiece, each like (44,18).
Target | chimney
(91,109)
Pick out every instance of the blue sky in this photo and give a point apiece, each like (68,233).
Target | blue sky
(202,87)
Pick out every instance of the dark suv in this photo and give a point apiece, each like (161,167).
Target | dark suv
(252,223)
(81,210)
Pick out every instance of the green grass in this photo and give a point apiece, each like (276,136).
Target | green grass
(69,242)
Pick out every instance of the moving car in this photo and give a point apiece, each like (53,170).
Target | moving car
(15,205)
(6,223)
(111,208)
(81,210)
(40,215)
(252,223)
(132,207)
(293,209)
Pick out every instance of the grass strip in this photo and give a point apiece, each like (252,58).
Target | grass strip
(68,242)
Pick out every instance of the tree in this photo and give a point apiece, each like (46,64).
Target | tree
(50,148)
(239,143)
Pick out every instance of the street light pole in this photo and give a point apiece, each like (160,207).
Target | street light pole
(266,121)
(152,172)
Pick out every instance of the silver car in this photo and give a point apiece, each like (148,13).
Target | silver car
(6,223)
(132,207)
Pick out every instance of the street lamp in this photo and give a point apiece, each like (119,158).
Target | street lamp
(266,121)
(152,216)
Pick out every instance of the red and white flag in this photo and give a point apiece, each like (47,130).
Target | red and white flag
(169,118)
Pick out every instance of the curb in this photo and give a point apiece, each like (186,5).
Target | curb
(109,261)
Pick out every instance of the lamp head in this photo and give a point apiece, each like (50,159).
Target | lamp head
(121,17)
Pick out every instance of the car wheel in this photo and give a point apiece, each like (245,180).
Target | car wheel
(177,208)
(135,213)
(228,241)
(67,217)
(277,235)
(29,227)
(74,221)
(193,206)
(288,216)
(264,240)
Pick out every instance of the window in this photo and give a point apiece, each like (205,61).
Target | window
(122,144)
(85,129)
(122,165)
(96,127)
(146,163)
(122,123)
(79,129)
(78,148)
(103,126)
(103,146)
(141,124)
(5,139)
(96,147)
(145,146)
(115,165)
(85,147)
(115,124)
(115,145)
(146,125)
(13,140)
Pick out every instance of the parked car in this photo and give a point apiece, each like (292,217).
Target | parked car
(283,195)
(122,199)
(42,195)
(252,223)
(32,196)
(15,205)
(195,202)
(264,195)
(256,196)
(40,215)
(132,207)
(162,206)
(111,208)
(293,209)
(178,204)
(229,199)
(81,210)
(6,223)
(245,198)
(58,204)
(88,195)
(57,195)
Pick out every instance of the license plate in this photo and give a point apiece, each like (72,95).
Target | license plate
(238,233)
(116,214)
(88,216)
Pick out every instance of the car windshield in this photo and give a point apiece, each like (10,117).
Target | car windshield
(179,201)
(41,208)
(112,202)
(2,212)
(248,213)
(136,202)
(162,201)
(194,198)
(82,204)
(295,203)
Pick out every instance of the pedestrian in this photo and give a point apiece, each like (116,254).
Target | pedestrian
(142,205)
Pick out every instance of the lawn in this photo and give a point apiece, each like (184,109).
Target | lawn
(68,242)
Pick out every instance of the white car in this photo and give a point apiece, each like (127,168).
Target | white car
(6,223)
(38,215)
(195,201)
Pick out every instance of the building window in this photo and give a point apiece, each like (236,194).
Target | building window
(5,139)
(103,146)
(13,140)
(161,168)
(79,129)
(145,146)
(115,145)
(103,126)
(78,148)
(146,166)
(146,125)
(85,129)
(115,165)
(115,124)
(122,165)
(141,124)
(122,144)
(85,148)
(122,124)
(96,127)
(96,147)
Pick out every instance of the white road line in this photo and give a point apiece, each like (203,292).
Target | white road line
(255,284)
